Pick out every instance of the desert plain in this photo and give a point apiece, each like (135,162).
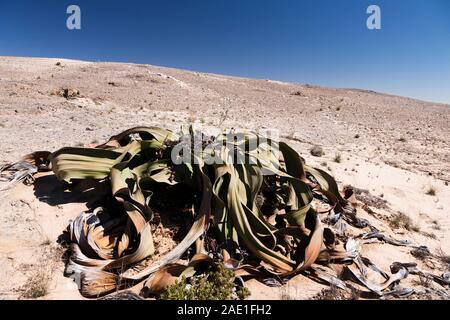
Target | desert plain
(393,150)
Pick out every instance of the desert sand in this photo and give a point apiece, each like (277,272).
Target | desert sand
(394,149)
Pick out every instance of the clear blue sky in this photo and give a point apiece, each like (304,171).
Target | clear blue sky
(323,42)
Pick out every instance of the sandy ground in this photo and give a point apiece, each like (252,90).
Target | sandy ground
(395,148)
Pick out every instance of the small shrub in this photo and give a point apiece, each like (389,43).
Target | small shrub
(215,285)
(402,139)
(67,93)
(243,293)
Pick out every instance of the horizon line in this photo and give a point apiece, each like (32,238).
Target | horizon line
(368,90)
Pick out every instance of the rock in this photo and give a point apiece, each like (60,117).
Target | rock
(317,151)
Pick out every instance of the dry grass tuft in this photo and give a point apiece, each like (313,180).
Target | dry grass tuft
(443,257)
(334,293)
(337,158)
(429,235)
(424,281)
(431,191)
(37,285)
(40,274)
(286,294)
(401,220)
(297,93)
(421,253)
(436,225)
